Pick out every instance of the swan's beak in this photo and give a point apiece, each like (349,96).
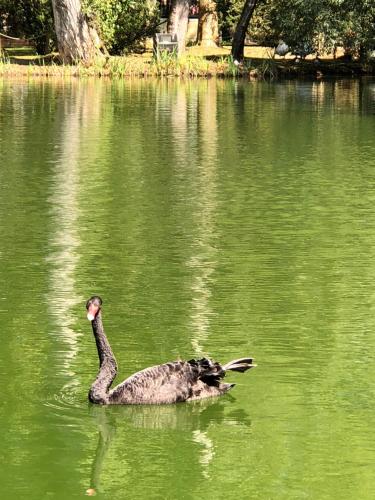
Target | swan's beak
(92,311)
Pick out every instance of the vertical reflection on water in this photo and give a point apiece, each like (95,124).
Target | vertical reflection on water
(130,436)
(179,121)
(207,452)
(203,260)
(106,432)
(64,235)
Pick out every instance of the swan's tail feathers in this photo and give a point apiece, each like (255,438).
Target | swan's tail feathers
(240,365)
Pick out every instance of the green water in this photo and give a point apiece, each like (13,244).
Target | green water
(214,218)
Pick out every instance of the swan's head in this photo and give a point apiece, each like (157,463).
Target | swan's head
(93,306)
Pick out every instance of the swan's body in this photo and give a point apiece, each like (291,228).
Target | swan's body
(162,384)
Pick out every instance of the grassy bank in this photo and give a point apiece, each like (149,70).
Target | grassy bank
(122,67)
(259,62)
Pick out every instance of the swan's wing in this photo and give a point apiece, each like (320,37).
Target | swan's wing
(167,383)
(171,383)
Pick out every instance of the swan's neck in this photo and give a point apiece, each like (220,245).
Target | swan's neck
(108,366)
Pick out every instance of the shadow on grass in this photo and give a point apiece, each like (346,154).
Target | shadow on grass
(26,56)
(257,67)
(266,66)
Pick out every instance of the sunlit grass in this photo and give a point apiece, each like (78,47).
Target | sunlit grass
(167,65)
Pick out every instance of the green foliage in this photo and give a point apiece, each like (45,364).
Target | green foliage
(229,12)
(123,25)
(296,22)
(32,19)
(233,68)
(358,28)
(322,24)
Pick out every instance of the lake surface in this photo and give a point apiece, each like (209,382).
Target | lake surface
(216,218)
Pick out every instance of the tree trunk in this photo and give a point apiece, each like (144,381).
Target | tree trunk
(76,40)
(178,21)
(208,27)
(241,29)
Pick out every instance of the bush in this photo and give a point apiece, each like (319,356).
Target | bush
(123,25)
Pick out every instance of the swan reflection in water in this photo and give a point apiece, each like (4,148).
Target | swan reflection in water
(193,419)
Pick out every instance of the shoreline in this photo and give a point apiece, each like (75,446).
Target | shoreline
(259,64)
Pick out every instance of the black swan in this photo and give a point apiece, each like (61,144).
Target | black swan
(167,383)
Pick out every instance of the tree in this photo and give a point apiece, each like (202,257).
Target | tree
(358,26)
(178,21)
(31,19)
(76,39)
(239,36)
(208,26)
